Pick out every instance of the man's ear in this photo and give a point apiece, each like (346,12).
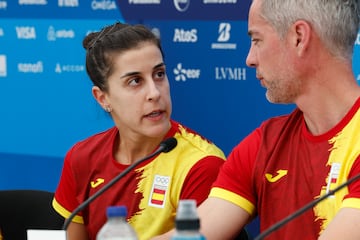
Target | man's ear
(301,36)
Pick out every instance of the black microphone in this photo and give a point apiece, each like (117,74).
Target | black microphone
(165,146)
(292,216)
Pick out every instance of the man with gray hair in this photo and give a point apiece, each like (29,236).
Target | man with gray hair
(302,52)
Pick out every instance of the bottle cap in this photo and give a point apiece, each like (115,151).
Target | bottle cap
(116,211)
(186,215)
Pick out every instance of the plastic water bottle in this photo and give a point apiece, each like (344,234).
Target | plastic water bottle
(116,227)
(187,222)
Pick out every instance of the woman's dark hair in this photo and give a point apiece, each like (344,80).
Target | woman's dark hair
(114,39)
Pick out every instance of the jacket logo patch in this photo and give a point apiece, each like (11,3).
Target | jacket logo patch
(333,176)
(159,190)
(97,182)
(280,173)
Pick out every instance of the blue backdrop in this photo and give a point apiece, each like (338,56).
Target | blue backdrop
(46,100)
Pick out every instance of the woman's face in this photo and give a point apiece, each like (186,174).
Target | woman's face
(139,92)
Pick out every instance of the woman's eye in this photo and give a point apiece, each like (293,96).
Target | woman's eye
(134,82)
(160,74)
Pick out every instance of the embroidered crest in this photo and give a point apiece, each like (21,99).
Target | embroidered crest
(159,190)
(333,175)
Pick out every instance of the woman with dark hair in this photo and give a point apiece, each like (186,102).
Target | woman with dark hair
(126,65)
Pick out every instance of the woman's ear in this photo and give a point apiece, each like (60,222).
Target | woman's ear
(100,97)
